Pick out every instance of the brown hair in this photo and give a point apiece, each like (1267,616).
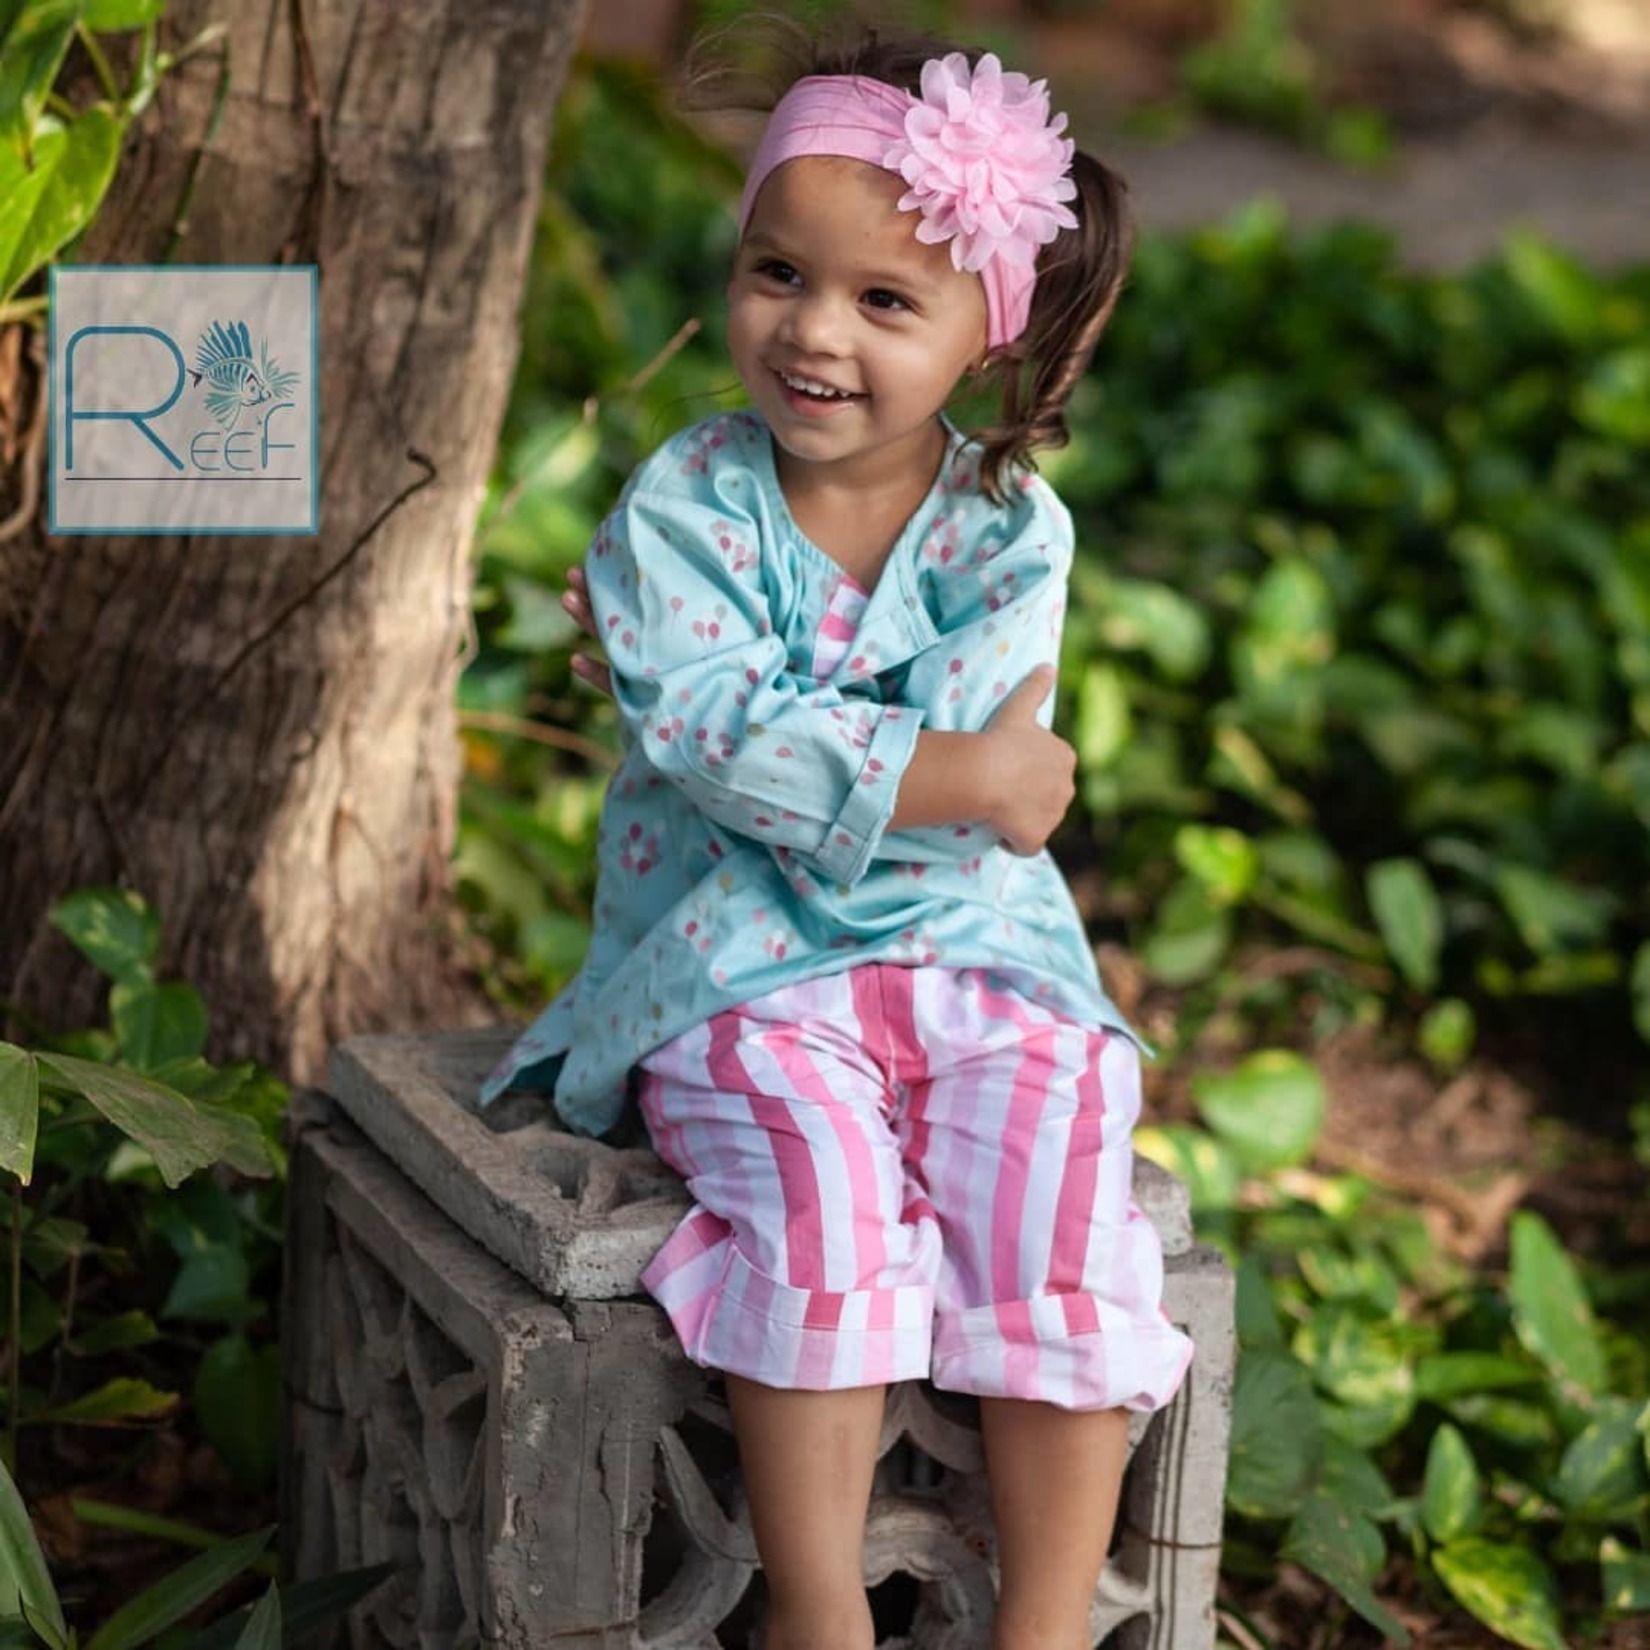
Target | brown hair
(1079,274)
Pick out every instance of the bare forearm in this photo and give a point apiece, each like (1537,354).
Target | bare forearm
(946,782)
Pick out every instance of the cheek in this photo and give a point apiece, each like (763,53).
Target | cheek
(923,366)
(740,329)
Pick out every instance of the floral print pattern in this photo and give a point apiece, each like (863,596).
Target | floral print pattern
(770,706)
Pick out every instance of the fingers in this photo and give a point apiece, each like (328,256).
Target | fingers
(576,602)
(1019,706)
(592,674)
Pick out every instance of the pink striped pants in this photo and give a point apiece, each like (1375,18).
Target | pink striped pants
(905,1173)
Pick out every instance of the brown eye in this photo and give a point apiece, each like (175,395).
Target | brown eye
(879,297)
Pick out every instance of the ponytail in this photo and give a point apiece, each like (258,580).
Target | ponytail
(1079,276)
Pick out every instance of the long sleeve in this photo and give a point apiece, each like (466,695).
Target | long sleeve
(703,685)
(1002,617)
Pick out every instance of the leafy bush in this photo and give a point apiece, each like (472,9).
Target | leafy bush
(31,1613)
(127,1116)
(1368,1357)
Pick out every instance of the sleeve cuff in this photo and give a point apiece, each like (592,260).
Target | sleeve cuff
(852,837)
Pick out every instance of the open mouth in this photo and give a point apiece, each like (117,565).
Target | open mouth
(813,392)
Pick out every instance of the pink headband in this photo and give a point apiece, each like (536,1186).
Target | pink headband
(986,166)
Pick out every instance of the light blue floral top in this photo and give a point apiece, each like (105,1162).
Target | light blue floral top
(770,706)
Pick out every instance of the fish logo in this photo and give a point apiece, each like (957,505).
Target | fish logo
(235,381)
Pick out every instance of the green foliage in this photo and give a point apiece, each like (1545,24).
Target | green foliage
(31,1614)
(1389,501)
(133,1114)
(57,158)
(1367,1360)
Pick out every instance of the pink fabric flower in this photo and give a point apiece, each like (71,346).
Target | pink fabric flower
(987,167)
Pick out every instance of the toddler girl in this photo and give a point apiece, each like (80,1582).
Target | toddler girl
(832,961)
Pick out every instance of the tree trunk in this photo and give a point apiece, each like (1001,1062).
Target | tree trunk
(258,735)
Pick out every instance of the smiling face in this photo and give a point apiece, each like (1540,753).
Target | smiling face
(848,332)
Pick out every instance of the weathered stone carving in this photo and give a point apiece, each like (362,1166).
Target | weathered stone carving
(478,1390)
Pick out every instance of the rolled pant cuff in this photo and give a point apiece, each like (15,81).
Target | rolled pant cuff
(1073,1350)
(731,1317)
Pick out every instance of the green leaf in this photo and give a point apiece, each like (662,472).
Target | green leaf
(73,167)
(1626,1578)
(114,16)
(1225,861)
(1336,1275)
(1641,990)
(1345,1548)
(1551,1313)
(1267,1109)
(1551,914)
(1209,1171)
(114,1334)
(19,1110)
(1452,1494)
(114,929)
(1160,621)
(1517,1423)
(1239,764)
(140,1620)
(35,48)
(121,1399)
(42,1315)
(1602,1475)
(1442,1375)
(1362,1362)
(1615,398)
(263,1631)
(1410,917)
(1258,1324)
(1191,936)
(1350,1478)
(1555,285)
(52,1241)
(23,1575)
(237,1396)
(157,1023)
(180,1136)
(213,1284)
(304,1606)
(1447,1033)
(1103,723)
(1507,1588)
(1287,639)
(1277,1442)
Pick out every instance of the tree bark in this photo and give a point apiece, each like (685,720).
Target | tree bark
(258,735)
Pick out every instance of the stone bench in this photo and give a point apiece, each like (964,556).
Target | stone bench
(478,1389)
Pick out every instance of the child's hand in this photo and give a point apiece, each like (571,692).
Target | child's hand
(1031,769)
(577,602)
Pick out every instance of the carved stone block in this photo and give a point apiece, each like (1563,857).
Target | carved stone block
(478,1390)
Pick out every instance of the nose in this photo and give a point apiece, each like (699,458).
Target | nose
(815,324)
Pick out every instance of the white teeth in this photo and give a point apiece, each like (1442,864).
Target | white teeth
(812,386)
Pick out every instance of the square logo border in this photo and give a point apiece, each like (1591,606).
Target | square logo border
(313,528)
